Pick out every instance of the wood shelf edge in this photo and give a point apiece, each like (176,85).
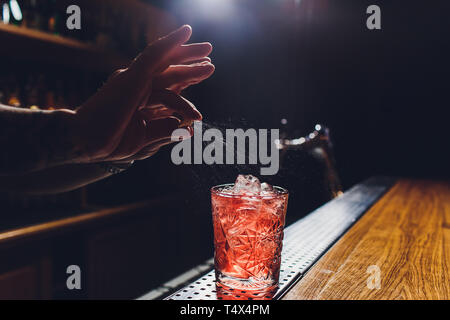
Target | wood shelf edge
(21,35)
(59,225)
(46,37)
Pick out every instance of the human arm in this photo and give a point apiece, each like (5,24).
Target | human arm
(131,117)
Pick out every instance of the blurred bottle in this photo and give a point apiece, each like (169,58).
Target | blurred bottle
(54,18)
(108,24)
(27,21)
(31,16)
(50,97)
(60,96)
(2,90)
(14,94)
(16,16)
(40,15)
(41,91)
(5,14)
(31,93)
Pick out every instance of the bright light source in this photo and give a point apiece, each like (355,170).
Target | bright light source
(15,9)
(284,121)
(214,9)
(5,14)
(318,127)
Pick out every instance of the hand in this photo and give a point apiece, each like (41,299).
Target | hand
(139,107)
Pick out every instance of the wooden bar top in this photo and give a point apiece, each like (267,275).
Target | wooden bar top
(399,249)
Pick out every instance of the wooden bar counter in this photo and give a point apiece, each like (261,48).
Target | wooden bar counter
(404,238)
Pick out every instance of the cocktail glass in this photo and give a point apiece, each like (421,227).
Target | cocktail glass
(248,235)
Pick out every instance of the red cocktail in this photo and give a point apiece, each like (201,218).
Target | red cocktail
(248,219)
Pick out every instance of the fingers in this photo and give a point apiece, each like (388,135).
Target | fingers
(205,59)
(181,76)
(153,145)
(176,103)
(189,52)
(158,112)
(156,53)
(160,129)
(151,149)
(115,74)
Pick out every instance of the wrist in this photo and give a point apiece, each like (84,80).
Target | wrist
(70,143)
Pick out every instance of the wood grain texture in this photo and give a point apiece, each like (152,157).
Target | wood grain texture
(406,234)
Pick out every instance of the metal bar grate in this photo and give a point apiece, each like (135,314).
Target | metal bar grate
(304,242)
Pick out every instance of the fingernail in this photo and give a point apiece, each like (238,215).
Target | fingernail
(184,27)
(209,66)
(210,45)
(206,64)
(195,114)
(183,32)
(199,116)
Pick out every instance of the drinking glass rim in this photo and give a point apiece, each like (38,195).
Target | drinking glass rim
(280,192)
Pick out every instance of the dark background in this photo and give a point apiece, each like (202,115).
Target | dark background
(383,93)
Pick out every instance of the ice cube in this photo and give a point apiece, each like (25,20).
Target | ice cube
(247,184)
(266,187)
